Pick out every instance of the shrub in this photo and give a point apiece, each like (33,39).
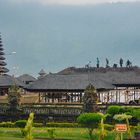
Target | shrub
(20,123)
(51,133)
(28,127)
(7,124)
(38,125)
(109,119)
(90,121)
(54,124)
(114,110)
(136,113)
(109,127)
(130,110)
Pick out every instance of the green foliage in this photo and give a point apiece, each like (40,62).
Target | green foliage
(102,130)
(55,124)
(7,124)
(14,97)
(38,125)
(21,123)
(51,133)
(122,110)
(108,127)
(122,117)
(129,110)
(136,113)
(114,110)
(109,119)
(90,99)
(28,127)
(90,121)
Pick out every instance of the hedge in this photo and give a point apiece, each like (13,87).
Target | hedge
(54,124)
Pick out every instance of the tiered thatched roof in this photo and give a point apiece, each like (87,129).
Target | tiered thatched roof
(3,69)
(78,79)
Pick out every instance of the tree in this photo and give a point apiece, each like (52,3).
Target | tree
(102,128)
(28,127)
(90,121)
(90,99)
(14,97)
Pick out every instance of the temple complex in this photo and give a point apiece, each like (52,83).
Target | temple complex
(114,85)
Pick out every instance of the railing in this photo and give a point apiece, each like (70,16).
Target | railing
(53,110)
(58,109)
(48,109)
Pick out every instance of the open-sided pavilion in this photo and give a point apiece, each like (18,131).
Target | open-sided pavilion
(114,85)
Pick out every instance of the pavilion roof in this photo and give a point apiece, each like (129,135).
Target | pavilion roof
(26,78)
(68,82)
(102,79)
(7,81)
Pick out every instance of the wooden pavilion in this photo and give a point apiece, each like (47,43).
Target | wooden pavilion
(114,85)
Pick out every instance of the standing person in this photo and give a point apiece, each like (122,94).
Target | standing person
(107,63)
(128,63)
(98,62)
(121,62)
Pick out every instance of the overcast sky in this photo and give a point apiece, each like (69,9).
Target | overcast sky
(70,2)
(55,37)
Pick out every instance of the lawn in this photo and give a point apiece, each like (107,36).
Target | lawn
(65,133)
(10,138)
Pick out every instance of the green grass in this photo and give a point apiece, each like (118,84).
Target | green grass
(67,133)
(11,138)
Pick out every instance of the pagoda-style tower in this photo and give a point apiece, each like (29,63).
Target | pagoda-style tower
(3,69)
(42,74)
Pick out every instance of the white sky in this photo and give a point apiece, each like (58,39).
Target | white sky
(71,2)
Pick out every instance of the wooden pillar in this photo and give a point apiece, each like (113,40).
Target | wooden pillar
(116,95)
(80,97)
(134,93)
(45,97)
(39,98)
(102,97)
(119,96)
(66,94)
(71,97)
(108,97)
(52,97)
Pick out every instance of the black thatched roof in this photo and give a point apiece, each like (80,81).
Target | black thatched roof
(7,81)
(101,79)
(68,82)
(26,78)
